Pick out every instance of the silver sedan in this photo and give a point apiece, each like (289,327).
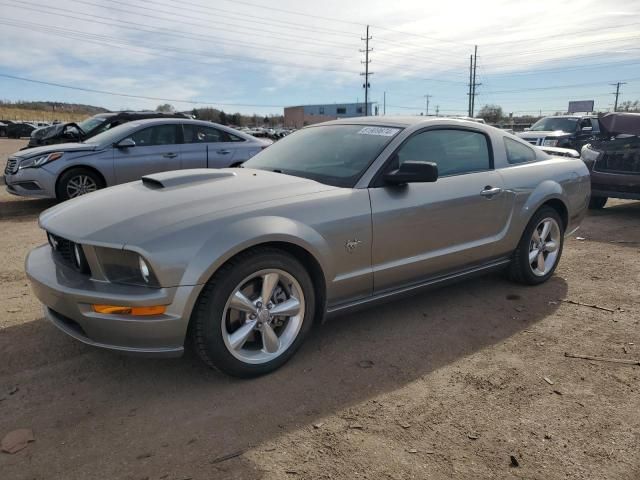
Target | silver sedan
(331,218)
(126,153)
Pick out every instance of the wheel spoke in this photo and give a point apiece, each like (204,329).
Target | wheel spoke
(238,338)
(288,308)
(270,340)
(536,236)
(532,256)
(546,227)
(550,246)
(541,262)
(269,282)
(240,302)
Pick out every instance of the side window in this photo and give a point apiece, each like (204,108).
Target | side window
(596,125)
(156,135)
(454,151)
(201,134)
(518,152)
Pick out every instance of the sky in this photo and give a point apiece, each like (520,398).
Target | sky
(257,56)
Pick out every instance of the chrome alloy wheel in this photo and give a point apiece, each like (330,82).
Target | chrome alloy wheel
(544,247)
(263,316)
(79,185)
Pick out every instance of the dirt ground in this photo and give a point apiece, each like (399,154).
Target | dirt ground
(449,384)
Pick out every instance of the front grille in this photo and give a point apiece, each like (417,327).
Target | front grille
(64,250)
(12,166)
(619,161)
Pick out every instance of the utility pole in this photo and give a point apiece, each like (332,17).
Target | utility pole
(427,97)
(617,93)
(366,70)
(437,110)
(473,95)
(384,103)
(470,80)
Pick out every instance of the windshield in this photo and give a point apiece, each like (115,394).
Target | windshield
(333,154)
(554,123)
(113,135)
(91,123)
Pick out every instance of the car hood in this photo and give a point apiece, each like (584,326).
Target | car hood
(61,147)
(52,131)
(138,212)
(543,134)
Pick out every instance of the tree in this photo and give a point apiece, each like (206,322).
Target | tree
(491,113)
(165,108)
(223,118)
(629,106)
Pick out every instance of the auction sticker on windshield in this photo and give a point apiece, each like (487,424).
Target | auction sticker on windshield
(380,131)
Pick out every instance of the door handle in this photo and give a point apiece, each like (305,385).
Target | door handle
(170,155)
(490,191)
(223,152)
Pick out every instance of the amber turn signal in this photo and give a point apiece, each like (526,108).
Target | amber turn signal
(136,311)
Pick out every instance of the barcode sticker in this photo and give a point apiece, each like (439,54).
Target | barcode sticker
(380,131)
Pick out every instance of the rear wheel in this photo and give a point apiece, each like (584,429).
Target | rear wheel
(596,203)
(76,182)
(540,248)
(254,313)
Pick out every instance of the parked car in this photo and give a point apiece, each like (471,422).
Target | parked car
(563,131)
(331,218)
(3,129)
(614,161)
(126,153)
(20,129)
(92,126)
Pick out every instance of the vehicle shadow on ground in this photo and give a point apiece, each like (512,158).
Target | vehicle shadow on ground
(180,410)
(617,224)
(24,207)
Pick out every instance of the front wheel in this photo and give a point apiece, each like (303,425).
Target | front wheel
(597,203)
(254,313)
(76,182)
(540,248)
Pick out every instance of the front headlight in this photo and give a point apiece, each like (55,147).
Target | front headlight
(125,266)
(36,162)
(588,155)
(549,143)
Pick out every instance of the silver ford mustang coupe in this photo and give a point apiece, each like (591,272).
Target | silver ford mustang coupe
(240,262)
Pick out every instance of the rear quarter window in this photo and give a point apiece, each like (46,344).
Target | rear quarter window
(518,152)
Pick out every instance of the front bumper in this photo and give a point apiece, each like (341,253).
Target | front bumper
(31,182)
(68,295)
(615,185)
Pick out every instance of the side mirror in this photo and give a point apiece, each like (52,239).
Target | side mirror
(587,129)
(412,171)
(126,143)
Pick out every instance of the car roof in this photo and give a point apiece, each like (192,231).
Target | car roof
(403,121)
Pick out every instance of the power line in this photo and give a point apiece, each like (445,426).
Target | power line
(163,30)
(144,97)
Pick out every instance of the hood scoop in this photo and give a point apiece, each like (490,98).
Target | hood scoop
(178,178)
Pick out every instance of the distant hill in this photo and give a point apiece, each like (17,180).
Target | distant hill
(47,111)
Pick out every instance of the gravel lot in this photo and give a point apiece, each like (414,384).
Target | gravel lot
(447,384)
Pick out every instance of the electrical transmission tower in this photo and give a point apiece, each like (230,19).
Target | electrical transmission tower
(366,72)
(617,93)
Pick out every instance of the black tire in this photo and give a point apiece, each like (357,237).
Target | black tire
(62,186)
(597,203)
(520,269)
(206,320)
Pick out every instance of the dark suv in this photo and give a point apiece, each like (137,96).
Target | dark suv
(614,159)
(563,131)
(79,132)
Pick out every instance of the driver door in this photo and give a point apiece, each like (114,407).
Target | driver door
(156,150)
(422,230)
